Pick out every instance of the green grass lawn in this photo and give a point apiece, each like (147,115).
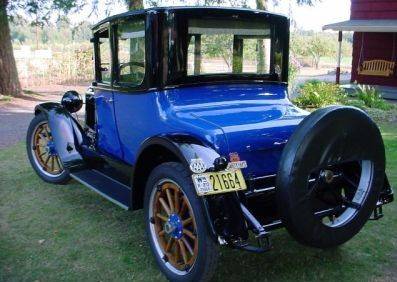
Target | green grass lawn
(53,233)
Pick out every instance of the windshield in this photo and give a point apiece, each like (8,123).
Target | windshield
(228,47)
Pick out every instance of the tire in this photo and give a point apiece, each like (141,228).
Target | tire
(47,165)
(198,266)
(330,176)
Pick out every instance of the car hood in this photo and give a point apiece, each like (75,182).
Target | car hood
(238,118)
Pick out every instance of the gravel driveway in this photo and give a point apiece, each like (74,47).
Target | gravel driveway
(15,116)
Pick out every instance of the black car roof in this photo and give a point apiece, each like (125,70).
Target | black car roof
(191,9)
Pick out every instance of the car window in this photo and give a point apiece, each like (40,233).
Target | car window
(222,47)
(104,56)
(131,52)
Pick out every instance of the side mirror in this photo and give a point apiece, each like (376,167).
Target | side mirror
(72,101)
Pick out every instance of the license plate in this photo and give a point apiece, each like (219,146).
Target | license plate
(219,182)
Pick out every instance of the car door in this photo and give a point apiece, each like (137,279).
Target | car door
(131,100)
(107,136)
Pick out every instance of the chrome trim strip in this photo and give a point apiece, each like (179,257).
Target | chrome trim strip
(264,189)
(262,177)
(273,224)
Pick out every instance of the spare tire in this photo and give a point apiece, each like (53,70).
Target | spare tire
(330,176)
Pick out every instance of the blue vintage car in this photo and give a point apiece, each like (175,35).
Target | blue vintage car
(189,118)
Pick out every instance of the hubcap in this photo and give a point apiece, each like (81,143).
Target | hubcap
(327,175)
(173,227)
(44,151)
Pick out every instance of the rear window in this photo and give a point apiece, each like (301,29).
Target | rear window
(228,47)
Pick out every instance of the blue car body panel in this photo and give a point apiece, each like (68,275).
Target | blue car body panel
(108,141)
(255,120)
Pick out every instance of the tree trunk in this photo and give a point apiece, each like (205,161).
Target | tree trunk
(135,4)
(9,82)
(261,5)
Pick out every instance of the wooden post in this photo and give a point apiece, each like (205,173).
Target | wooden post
(339,57)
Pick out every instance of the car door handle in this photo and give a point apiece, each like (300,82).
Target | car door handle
(109,101)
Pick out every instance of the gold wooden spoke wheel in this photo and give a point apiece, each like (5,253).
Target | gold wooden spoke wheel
(44,150)
(175,226)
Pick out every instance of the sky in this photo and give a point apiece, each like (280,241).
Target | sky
(305,17)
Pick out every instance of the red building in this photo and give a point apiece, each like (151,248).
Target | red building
(374,23)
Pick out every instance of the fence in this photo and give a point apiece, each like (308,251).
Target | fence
(68,64)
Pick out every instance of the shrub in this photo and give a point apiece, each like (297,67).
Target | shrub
(293,70)
(371,97)
(356,103)
(316,94)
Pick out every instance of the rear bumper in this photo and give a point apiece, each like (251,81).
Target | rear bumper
(386,197)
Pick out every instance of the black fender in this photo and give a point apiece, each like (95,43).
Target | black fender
(67,134)
(182,146)
(185,147)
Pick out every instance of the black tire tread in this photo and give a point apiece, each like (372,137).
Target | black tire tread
(294,162)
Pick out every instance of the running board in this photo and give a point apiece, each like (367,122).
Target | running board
(111,189)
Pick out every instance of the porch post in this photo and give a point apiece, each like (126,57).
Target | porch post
(339,57)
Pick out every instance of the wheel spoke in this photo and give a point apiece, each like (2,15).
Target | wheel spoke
(189,234)
(350,182)
(42,154)
(162,217)
(59,165)
(183,251)
(176,252)
(328,212)
(187,221)
(47,131)
(165,206)
(189,248)
(47,159)
(52,163)
(169,244)
(313,186)
(183,208)
(169,198)
(40,145)
(176,198)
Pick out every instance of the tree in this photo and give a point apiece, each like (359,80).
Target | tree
(134,4)
(318,47)
(314,45)
(9,82)
(41,11)
(263,5)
